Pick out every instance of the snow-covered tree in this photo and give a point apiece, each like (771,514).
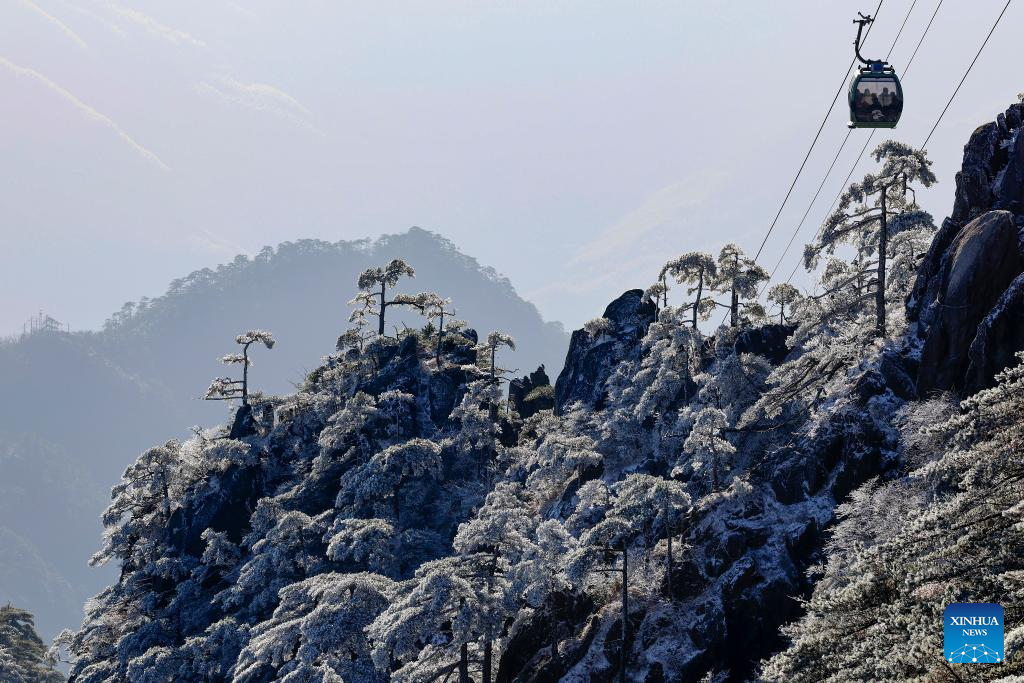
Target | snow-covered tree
(739,277)
(489,349)
(390,470)
(317,632)
(435,307)
(784,295)
(23,657)
(476,441)
(283,546)
(224,388)
(709,451)
(885,585)
(373,290)
(698,270)
(426,633)
(648,502)
(873,211)
(598,327)
(137,521)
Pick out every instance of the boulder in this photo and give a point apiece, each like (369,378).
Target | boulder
(999,338)
(974,180)
(980,263)
(244,424)
(1008,187)
(768,341)
(920,308)
(531,394)
(590,361)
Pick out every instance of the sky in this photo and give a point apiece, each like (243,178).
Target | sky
(573,146)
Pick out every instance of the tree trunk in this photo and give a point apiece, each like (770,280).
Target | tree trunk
(734,304)
(696,303)
(440,338)
(487,662)
(396,504)
(245,374)
(464,664)
(668,556)
(883,246)
(380,320)
(664,291)
(625,611)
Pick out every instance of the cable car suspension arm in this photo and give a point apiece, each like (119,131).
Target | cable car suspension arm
(861,23)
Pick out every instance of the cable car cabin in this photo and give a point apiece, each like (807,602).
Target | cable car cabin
(876,97)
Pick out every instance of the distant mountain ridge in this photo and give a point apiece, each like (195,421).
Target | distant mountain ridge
(75,409)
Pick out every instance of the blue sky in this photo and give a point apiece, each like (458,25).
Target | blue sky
(573,146)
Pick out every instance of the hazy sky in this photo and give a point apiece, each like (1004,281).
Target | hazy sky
(574,146)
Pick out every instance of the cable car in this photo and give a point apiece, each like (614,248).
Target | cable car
(876,96)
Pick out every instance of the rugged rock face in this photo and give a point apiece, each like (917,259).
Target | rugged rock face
(966,294)
(591,360)
(532,393)
(993,168)
(998,336)
(980,263)
(768,341)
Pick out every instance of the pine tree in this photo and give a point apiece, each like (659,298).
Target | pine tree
(784,295)
(374,284)
(388,471)
(873,211)
(317,632)
(435,307)
(709,451)
(224,388)
(495,340)
(23,657)
(739,277)
(698,270)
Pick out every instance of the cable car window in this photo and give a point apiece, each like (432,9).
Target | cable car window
(877,100)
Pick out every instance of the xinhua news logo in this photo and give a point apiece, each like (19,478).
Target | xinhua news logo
(973,633)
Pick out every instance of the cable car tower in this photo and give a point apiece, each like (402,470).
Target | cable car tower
(876,96)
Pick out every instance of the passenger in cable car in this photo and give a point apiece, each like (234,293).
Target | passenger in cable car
(868,100)
(887,98)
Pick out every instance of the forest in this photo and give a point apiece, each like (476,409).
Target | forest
(730,479)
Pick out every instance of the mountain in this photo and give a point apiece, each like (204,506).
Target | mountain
(658,514)
(78,408)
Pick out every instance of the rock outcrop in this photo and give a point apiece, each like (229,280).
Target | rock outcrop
(590,360)
(967,292)
(999,335)
(532,393)
(977,268)
(768,341)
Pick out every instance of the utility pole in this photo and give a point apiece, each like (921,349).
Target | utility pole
(624,570)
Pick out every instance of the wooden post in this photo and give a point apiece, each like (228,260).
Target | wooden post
(625,611)
(668,557)
(883,245)
(464,664)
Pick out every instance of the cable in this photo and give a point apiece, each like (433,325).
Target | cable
(807,156)
(900,32)
(807,212)
(815,141)
(842,188)
(863,149)
(918,46)
(973,61)
(835,159)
